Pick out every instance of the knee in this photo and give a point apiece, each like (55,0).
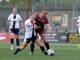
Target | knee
(22,47)
(11,35)
(24,44)
(17,36)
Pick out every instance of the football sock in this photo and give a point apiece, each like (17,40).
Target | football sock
(47,46)
(43,50)
(12,41)
(32,47)
(17,43)
(17,50)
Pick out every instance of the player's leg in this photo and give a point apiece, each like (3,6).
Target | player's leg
(38,42)
(17,40)
(12,40)
(24,44)
(42,34)
(32,47)
(17,37)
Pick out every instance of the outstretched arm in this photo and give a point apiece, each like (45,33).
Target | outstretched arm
(49,28)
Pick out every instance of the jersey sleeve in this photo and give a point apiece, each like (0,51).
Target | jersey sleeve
(9,18)
(27,23)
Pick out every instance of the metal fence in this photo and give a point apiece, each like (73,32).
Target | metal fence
(60,13)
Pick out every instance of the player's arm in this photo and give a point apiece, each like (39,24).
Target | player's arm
(75,18)
(8,21)
(35,26)
(48,25)
(77,23)
(22,26)
(49,28)
(21,22)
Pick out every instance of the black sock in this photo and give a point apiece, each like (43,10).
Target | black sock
(47,46)
(17,50)
(42,48)
(12,41)
(17,42)
(32,47)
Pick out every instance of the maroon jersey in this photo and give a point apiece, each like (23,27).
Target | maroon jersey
(41,22)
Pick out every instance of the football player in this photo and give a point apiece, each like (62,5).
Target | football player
(30,35)
(14,21)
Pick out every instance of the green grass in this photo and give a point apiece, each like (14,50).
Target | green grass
(65,51)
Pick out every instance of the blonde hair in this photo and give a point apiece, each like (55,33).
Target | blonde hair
(44,11)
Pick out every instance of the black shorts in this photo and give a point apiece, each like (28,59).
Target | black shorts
(32,39)
(15,31)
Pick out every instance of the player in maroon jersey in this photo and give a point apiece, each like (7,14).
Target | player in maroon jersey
(41,20)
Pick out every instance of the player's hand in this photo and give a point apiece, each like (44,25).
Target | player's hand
(49,31)
(33,22)
(22,29)
(35,26)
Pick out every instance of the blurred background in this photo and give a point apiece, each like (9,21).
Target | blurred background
(60,15)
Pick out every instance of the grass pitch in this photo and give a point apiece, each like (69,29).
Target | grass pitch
(67,51)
